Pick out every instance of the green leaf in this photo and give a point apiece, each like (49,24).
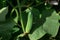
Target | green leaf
(3,13)
(38,33)
(29,20)
(5,29)
(51,24)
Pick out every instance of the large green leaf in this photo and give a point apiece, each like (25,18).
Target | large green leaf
(51,24)
(5,29)
(38,33)
(3,13)
(5,26)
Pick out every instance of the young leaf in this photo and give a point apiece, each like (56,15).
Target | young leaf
(29,21)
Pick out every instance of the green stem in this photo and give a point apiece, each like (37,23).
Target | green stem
(20,15)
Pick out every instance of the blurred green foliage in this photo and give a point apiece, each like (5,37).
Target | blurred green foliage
(29,20)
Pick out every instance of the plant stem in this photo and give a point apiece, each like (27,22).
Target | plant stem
(20,15)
